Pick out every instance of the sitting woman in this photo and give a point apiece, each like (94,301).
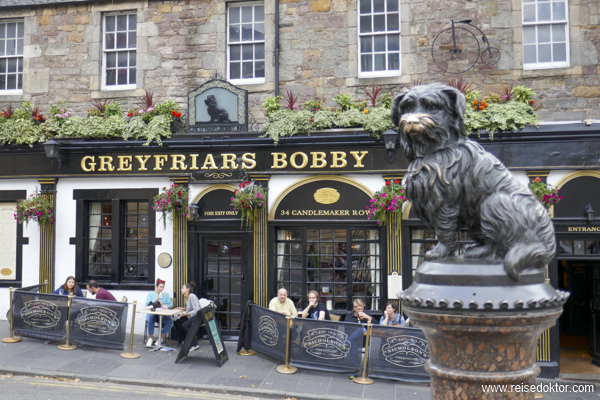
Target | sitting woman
(391,317)
(165,301)
(192,305)
(69,287)
(315,309)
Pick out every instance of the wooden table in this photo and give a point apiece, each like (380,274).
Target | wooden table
(161,312)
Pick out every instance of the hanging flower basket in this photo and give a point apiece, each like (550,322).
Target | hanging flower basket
(545,193)
(171,202)
(249,198)
(36,208)
(387,203)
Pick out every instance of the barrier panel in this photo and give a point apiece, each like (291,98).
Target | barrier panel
(40,316)
(98,323)
(267,332)
(398,353)
(33,288)
(326,345)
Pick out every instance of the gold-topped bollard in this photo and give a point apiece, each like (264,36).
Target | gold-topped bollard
(12,338)
(131,354)
(286,369)
(245,352)
(364,380)
(66,346)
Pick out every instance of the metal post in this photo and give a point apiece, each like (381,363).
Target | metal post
(66,346)
(131,354)
(364,380)
(11,339)
(286,369)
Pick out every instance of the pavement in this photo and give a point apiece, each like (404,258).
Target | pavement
(241,375)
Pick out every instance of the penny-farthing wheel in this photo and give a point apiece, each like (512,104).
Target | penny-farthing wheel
(490,56)
(455,50)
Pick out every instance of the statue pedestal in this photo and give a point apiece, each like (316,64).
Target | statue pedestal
(482,327)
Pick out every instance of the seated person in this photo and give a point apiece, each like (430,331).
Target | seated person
(165,300)
(358,315)
(339,261)
(282,304)
(192,306)
(315,309)
(101,293)
(391,317)
(70,286)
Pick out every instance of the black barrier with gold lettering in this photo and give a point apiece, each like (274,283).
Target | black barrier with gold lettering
(267,332)
(99,323)
(40,316)
(398,353)
(326,345)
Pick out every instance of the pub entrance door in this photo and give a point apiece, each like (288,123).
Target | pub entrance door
(222,266)
(595,309)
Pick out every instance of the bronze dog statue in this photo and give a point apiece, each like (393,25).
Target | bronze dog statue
(454,183)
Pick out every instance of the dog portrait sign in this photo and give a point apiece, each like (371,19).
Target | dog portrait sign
(217,106)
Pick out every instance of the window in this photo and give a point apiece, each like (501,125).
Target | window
(11,57)
(423,240)
(379,37)
(119,61)
(341,264)
(545,34)
(246,44)
(11,239)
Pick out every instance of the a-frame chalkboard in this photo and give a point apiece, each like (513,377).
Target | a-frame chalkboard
(205,317)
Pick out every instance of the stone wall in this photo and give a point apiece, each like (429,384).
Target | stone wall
(181,44)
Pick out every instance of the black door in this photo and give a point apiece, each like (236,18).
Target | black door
(595,309)
(578,306)
(224,267)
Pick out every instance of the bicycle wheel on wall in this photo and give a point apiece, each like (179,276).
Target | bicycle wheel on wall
(490,56)
(455,54)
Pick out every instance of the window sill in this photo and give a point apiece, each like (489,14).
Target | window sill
(9,95)
(113,94)
(245,82)
(533,67)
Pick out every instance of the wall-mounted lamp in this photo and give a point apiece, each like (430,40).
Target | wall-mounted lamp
(589,211)
(390,137)
(194,211)
(52,149)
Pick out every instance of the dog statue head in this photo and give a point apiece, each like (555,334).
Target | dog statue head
(210,100)
(430,118)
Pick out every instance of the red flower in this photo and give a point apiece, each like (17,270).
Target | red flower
(396,181)
(387,184)
(173,112)
(537,179)
(178,115)
(175,185)
(311,120)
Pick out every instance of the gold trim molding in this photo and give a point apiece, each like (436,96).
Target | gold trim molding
(210,188)
(575,175)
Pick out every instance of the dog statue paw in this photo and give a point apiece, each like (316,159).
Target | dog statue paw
(438,252)
(453,183)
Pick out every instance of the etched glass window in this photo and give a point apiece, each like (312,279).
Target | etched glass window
(246,43)
(379,37)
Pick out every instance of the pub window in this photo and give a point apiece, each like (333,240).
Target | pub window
(341,264)
(117,241)
(545,34)
(423,240)
(379,37)
(579,247)
(119,55)
(246,43)
(11,57)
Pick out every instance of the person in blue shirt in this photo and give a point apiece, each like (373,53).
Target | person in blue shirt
(391,317)
(166,302)
(70,286)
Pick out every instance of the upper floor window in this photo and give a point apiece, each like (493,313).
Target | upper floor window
(11,57)
(119,55)
(545,34)
(379,37)
(246,44)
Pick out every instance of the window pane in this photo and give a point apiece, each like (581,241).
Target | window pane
(393,42)
(558,33)
(122,76)
(394,61)
(2,46)
(529,13)
(545,53)
(365,24)
(543,10)
(247,50)
(259,31)
(234,52)
(20,79)
(234,15)
(132,40)
(529,35)
(559,52)
(379,62)
(378,5)
(543,34)
(132,22)
(558,11)
(366,44)
(260,69)
(379,42)
(234,70)
(111,60)
(132,59)
(11,30)
(110,23)
(259,52)
(392,5)
(393,22)
(121,40)
(11,81)
(20,47)
(2,31)
(234,33)
(259,13)
(121,22)
(122,59)
(366,63)
(365,6)
(379,23)
(110,41)
(247,71)
(247,14)
(12,65)
(246,32)
(11,47)
(2,82)
(111,77)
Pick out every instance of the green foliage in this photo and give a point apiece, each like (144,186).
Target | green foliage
(472,96)
(313,105)
(20,131)
(500,117)
(103,128)
(171,202)
(248,199)
(36,208)
(386,99)
(272,104)
(344,101)
(523,94)
(545,193)
(387,203)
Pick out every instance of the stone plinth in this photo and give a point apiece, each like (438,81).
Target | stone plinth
(482,327)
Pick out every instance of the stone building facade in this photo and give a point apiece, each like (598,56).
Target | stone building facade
(181,44)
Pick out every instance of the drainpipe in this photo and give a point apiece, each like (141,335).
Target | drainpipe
(276,47)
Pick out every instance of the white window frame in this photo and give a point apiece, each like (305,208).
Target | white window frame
(565,22)
(105,51)
(376,74)
(19,57)
(244,81)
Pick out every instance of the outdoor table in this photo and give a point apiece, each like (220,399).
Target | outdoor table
(161,312)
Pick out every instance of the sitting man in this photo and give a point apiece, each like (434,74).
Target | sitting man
(282,304)
(101,293)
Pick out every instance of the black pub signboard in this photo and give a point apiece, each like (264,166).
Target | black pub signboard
(217,106)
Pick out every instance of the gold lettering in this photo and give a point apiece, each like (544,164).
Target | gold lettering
(88,167)
(279,160)
(318,159)
(209,213)
(359,155)
(178,162)
(142,160)
(209,160)
(338,156)
(304,160)
(354,212)
(194,158)
(125,163)
(106,161)
(250,159)
(159,162)
(229,159)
